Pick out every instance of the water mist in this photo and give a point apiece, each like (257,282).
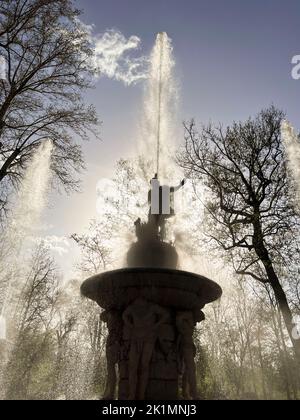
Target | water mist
(292,147)
(24,222)
(157,129)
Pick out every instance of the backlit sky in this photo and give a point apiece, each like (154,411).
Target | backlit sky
(233,58)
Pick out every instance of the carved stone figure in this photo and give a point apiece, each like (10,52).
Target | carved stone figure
(145,231)
(143,320)
(113,320)
(185,324)
(166,340)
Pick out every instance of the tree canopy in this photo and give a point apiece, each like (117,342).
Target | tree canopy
(46,53)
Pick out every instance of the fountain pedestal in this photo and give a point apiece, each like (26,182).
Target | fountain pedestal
(151,314)
(151,310)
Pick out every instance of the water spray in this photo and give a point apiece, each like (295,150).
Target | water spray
(159,109)
(29,204)
(292,149)
(161,57)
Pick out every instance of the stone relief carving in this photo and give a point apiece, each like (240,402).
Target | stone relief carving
(113,320)
(185,323)
(143,320)
(151,339)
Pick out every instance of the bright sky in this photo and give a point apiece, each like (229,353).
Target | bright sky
(232,59)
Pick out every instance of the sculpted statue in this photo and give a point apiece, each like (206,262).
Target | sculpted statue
(143,320)
(114,324)
(166,346)
(185,324)
(158,215)
(145,231)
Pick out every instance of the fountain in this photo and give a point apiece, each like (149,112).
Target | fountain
(151,308)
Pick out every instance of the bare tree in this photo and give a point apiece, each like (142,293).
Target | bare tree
(249,207)
(40,292)
(33,344)
(247,355)
(47,54)
(96,253)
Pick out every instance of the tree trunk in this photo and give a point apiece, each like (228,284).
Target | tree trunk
(283,305)
(282,356)
(6,165)
(261,362)
(293,374)
(279,293)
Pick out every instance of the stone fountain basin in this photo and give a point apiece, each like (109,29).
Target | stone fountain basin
(176,289)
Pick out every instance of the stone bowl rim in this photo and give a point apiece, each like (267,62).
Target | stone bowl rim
(93,285)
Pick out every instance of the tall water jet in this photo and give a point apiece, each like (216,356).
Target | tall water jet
(151,307)
(24,221)
(292,147)
(160,102)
